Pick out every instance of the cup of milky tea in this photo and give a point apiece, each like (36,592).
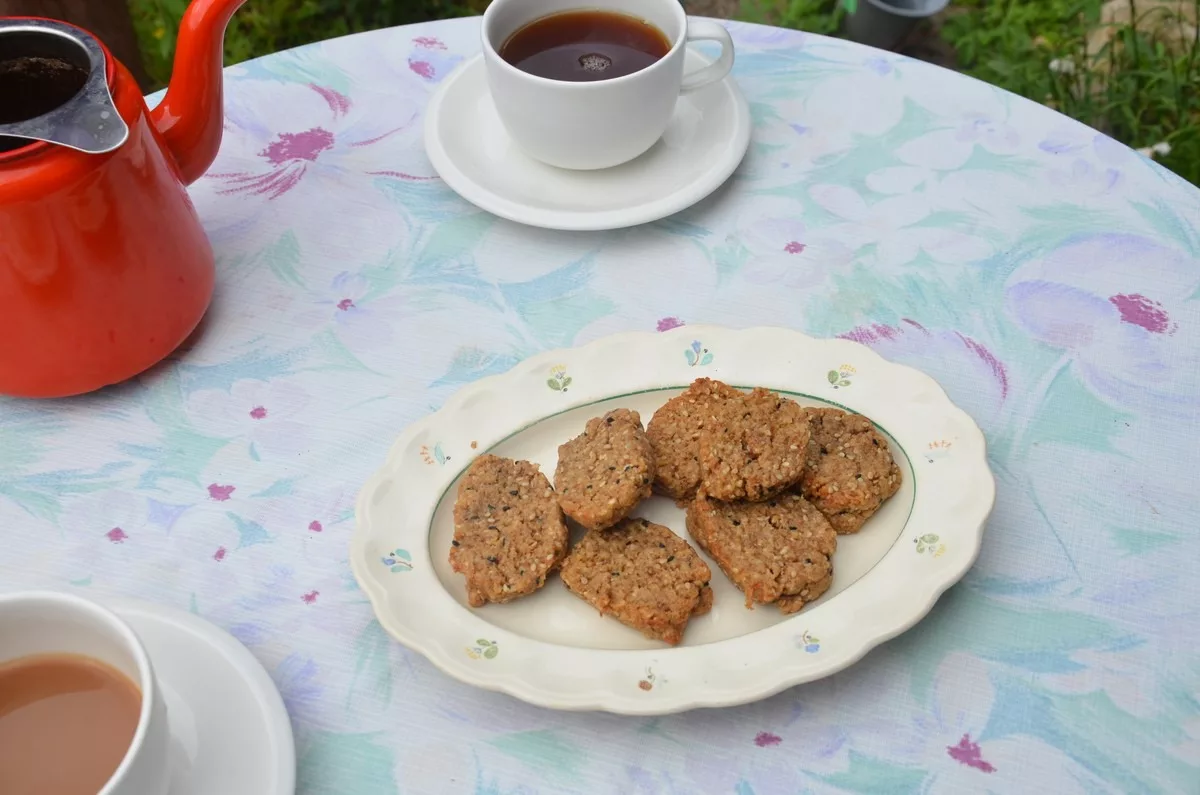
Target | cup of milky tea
(80,710)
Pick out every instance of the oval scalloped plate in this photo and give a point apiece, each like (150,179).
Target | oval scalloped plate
(550,648)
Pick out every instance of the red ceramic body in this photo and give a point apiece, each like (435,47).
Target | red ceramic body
(104,266)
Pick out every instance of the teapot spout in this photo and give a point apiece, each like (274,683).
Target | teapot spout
(191,116)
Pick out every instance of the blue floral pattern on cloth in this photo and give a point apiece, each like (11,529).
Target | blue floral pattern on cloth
(1046,276)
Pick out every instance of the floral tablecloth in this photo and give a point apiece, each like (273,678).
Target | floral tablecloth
(1046,275)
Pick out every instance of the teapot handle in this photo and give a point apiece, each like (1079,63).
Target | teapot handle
(190,116)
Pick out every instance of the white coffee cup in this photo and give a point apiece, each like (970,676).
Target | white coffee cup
(592,125)
(33,623)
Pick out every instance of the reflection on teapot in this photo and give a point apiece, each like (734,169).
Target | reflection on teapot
(104,266)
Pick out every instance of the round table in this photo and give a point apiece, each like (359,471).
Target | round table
(1046,275)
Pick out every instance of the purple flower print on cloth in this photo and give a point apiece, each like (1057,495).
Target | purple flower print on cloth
(346,306)
(1113,304)
(261,414)
(766,739)
(1080,173)
(219,492)
(968,753)
(322,143)
(879,64)
(990,133)
(401,63)
(804,744)
(325,138)
(784,252)
(781,237)
(621,263)
(112,515)
(978,120)
(431,60)
(135,543)
(1085,161)
(961,753)
(964,365)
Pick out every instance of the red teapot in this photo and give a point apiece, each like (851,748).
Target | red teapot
(104,266)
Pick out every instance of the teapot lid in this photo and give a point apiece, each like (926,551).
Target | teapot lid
(54,87)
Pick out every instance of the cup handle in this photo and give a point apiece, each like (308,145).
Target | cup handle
(707,30)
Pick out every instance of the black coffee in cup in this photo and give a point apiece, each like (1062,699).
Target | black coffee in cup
(585,46)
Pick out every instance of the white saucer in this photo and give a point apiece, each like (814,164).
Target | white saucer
(230,732)
(467,144)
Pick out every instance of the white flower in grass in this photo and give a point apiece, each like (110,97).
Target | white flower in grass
(1160,149)
(1062,66)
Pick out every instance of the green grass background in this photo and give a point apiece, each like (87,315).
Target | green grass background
(1143,88)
